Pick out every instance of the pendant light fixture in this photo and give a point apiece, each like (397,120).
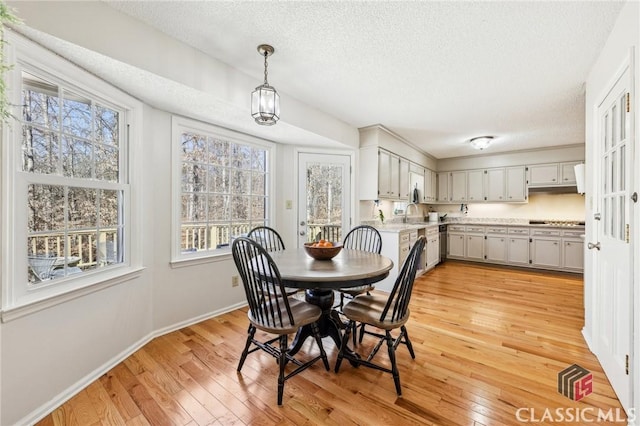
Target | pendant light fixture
(265,101)
(481,142)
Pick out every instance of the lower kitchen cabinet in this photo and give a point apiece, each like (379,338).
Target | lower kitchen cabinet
(433,247)
(545,248)
(545,252)
(456,242)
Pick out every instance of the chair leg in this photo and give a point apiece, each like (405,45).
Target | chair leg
(392,358)
(361,332)
(252,332)
(407,341)
(323,354)
(355,334)
(282,362)
(343,345)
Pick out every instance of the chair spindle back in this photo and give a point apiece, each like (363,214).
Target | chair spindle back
(365,238)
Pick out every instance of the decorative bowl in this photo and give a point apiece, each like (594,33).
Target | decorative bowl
(322,253)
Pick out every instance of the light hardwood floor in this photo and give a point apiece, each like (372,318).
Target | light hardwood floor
(488,342)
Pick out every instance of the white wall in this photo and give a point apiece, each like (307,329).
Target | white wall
(625,36)
(47,356)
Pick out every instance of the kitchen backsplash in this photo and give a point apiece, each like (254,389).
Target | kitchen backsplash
(540,206)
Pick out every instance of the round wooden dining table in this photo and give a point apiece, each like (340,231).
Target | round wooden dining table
(319,278)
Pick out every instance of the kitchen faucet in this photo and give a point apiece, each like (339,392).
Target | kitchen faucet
(406,210)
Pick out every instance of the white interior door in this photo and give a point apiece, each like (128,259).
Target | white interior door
(324,196)
(614,260)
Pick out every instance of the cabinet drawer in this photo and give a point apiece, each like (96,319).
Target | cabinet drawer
(455,228)
(432,231)
(404,238)
(496,230)
(574,233)
(475,229)
(413,235)
(518,231)
(545,232)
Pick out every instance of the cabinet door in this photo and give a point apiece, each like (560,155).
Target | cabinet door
(455,246)
(496,248)
(573,254)
(475,247)
(496,185)
(543,174)
(515,184)
(459,186)
(518,251)
(568,173)
(394,176)
(427,195)
(384,174)
(434,186)
(405,186)
(475,186)
(433,251)
(545,252)
(443,186)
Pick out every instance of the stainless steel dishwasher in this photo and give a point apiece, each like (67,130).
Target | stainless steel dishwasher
(443,242)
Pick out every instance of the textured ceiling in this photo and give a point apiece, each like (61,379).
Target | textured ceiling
(436,73)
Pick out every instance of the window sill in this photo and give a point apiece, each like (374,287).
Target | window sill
(31,307)
(200,260)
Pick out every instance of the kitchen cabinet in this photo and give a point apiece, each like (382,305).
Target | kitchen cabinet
(572,250)
(515,184)
(458,188)
(456,242)
(416,181)
(568,173)
(475,185)
(474,242)
(388,175)
(543,174)
(404,184)
(433,247)
(496,247)
(430,186)
(556,174)
(518,246)
(396,246)
(545,248)
(495,184)
(443,187)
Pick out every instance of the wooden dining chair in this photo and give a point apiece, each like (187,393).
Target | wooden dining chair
(271,241)
(386,314)
(365,238)
(271,313)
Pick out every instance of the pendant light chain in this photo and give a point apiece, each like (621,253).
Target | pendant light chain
(266,83)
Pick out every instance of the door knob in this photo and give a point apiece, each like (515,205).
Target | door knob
(593,246)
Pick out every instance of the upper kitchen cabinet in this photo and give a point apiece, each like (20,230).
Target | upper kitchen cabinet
(458,189)
(495,185)
(430,186)
(406,187)
(516,184)
(388,175)
(475,185)
(443,187)
(555,174)
(389,167)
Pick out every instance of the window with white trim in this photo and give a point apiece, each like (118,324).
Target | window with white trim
(67,159)
(223,187)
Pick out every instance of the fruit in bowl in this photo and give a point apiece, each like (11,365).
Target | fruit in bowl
(322,250)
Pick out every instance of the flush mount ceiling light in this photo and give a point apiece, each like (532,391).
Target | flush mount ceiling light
(481,142)
(265,101)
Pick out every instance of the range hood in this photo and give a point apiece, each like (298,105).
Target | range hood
(571,189)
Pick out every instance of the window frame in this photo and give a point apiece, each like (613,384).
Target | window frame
(181,125)
(18,297)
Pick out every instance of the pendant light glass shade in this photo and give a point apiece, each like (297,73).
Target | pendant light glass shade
(265,101)
(265,105)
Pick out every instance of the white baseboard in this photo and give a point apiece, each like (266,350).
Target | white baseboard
(42,411)
(587,338)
